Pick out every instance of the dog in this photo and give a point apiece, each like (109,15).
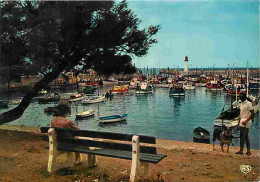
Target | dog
(224,137)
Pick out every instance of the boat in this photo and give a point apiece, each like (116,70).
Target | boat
(42,92)
(3,104)
(51,109)
(110,81)
(144,88)
(214,85)
(113,118)
(76,97)
(176,90)
(93,99)
(119,89)
(15,101)
(89,90)
(55,97)
(201,135)
(188,86)
(228,118)
(85,114)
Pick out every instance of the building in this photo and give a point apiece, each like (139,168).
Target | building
(186,69)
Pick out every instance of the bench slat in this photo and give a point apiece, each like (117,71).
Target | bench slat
(152,158)
(99,134)
(102,144)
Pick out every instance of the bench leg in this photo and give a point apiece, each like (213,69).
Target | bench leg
(53,153)
(147,169)
(135,159)
(92,160)
(77,157)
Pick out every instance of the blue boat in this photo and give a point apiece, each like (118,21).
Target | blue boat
(113,118)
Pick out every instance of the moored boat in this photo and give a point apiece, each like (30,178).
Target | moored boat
(214,85)
(110,81)
(55,97)
(93,99)
(3,104)
(144,88)
(76,97)
(85,114)
(228,118)
(188,86)
(201,135)
(113,118)
(51,109)
(119,89)
(176,90)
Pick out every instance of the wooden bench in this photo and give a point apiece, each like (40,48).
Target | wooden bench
(107,144)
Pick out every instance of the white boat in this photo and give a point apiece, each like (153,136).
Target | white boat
(93,99)
(228,118)
(188,86)
(76,97)
(113,118)
(110,81)
(144,88)
(85,114)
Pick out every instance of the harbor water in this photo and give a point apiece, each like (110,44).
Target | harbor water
(156,114)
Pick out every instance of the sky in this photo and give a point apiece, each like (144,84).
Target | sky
(211,33)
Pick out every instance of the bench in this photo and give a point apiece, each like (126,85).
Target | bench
(141,151)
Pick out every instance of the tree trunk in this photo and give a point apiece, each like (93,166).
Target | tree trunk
(18,111)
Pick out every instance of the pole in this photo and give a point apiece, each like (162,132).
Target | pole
(247,81)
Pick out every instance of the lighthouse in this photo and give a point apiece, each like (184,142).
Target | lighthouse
(186,69)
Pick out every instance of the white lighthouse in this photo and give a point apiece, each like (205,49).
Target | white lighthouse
(186,69)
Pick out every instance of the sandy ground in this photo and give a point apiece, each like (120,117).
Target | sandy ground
(24,157)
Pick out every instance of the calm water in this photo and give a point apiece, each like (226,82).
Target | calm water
(157,114)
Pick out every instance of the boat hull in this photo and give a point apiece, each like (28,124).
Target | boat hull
(112,119)
(85,114)
(143,91)
(93,101)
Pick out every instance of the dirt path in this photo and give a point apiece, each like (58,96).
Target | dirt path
(23,157)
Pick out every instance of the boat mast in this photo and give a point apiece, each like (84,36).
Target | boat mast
(247,79)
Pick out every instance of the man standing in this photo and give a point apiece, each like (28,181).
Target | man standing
(246,116)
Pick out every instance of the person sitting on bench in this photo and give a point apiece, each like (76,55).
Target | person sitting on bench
(60,121)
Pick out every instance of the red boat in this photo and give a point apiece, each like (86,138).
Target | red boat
(213,85)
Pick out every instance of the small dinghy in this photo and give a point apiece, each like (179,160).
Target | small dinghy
(85,114)
(113,118)
(201,135)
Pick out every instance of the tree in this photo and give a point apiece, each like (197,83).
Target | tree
(57,36)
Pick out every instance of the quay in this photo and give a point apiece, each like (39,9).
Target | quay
(25,156)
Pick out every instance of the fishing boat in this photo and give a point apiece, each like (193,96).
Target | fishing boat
(113,118)
(144,88)
(214,85)
(201,135)
(3,104)
(85,114)
(117,89)
(188,86)
(176,90)
(93,99)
